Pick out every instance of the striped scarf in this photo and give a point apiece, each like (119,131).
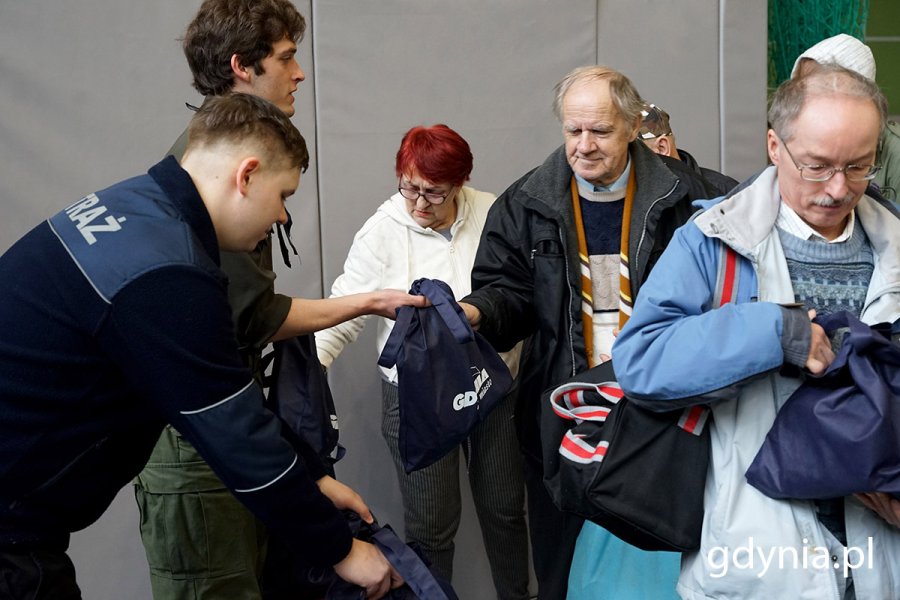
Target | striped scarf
(587,301)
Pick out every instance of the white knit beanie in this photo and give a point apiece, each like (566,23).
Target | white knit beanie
(846,51)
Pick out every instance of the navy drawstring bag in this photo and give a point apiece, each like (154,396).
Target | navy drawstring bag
(300,395)
(407,559)
(449,376)
(839,433)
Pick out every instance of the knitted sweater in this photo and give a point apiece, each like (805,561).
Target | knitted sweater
(830,277)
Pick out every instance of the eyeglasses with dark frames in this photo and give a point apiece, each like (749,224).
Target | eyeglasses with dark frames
(820,173)
(413,193)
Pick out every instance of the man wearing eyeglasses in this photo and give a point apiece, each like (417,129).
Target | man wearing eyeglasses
(852,54)
(808,241)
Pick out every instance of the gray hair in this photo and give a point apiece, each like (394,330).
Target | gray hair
(624,95)
(826,79)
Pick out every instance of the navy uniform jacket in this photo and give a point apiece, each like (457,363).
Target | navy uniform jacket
(114,319)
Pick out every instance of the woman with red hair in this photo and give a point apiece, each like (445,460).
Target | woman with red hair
(431,228)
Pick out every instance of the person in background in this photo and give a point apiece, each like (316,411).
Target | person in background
(431,228)
(99,348)
(656,132)
(200,541)
(564,252)
(850,53)
(809,240)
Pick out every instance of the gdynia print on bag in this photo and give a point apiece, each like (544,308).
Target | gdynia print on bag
(482,384)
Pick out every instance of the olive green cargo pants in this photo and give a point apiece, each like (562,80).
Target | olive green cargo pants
(200,541)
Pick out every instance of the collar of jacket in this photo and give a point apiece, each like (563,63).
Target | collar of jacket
(745,218)
(549,183)
(179,188)
(655,187)
(655,181)
(688,159)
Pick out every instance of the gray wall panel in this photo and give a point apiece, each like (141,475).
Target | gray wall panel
(743,81)
(485,69)
(94,91)
(669,49)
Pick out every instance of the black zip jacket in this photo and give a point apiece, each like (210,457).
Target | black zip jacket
(718,182)
(526,279)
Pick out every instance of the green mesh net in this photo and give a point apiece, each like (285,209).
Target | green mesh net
(795,25)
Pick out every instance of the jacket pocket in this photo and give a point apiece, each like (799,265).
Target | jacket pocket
(546,247)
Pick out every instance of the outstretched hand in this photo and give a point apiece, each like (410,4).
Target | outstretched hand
(386,302)
(473,315)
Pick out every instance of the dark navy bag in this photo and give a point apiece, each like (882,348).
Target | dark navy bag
(839,433)
(408,560)
(449,376)
(300,395)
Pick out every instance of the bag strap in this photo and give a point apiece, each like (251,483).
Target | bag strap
(391,349)
(568,401)
(694,418)
(408,564)
(448,309)
(726,276)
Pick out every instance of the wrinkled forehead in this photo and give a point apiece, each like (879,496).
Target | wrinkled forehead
(836,128)
(588,93)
